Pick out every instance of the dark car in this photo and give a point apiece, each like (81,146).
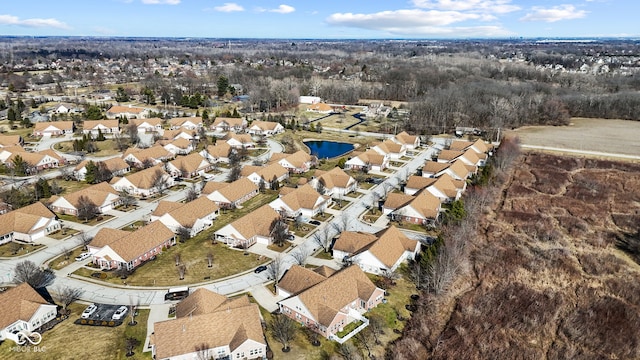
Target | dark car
(260,269)
(314,222)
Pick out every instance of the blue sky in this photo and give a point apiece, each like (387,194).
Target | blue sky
(322,19)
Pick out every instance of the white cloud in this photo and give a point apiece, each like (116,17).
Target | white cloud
(401,21)
(33,22)
(283,9)
(555,13)
(159,2)
(229,7)
(485,6)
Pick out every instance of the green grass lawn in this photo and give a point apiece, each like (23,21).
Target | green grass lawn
(134,226)
(408,226)
(324,255)
(13,248)
(93,222)
(62,260)
(105,148)
(70,186)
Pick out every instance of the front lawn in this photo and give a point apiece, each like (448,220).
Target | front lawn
(13,248)
(408,226)
(93,222)
(105,148)
(63,260)
(63,234)
(280,249)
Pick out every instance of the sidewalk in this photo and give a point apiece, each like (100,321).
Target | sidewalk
(265,297)
(157,313)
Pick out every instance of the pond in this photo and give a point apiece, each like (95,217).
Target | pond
(328,149)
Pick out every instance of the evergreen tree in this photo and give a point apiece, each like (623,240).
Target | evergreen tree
(223,85)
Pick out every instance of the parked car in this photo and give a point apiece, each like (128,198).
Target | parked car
(83,256)
(260,269)
(89,311)
(122,310)
(315,222)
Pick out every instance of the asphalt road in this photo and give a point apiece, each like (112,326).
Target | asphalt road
(111,294)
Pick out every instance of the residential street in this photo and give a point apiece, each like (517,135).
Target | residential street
(111,294)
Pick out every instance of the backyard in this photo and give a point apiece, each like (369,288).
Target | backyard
(84,341)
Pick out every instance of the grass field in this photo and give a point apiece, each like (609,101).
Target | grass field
(339,121)
(105,148)
(11,249)
(70,341)
(603,135)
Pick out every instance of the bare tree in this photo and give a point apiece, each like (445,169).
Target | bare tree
(341,224)
(160,181)
(275,269)
(182,271)
(86,208)
(133,307)
(210,259)
(192,193)
(84,238)
(300,255)
(66,295)
(28,272)
(283,329)
(348,351)
(322,238)
(67,254)
(130,345)
(177,257)
(132,132)
(127,199)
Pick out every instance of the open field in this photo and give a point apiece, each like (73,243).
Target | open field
(70,341)
(105,148)
(602,135)
(340,121)
(551,271)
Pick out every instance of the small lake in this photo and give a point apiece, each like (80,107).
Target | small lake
(328,149)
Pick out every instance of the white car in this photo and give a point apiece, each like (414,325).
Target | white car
(89,311)
(83,256)
(122,311)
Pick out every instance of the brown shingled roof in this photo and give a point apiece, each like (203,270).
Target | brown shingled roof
(266,172)
(142,240)
(189,163)
(187,214)
(434,167)
(118,109)
(143,179)
(220,149)
(91,124)
(62,125)
(23,220)
(397,200)
(155,152)
(201,301)
(19,303)
(449,155)
(334,177)
(238,189)
(257,222)
(231,327)
(325,299)
(460,145)
(97,194)
(304,197)
(298,279)
(390,246)
(419,182)
(352,241)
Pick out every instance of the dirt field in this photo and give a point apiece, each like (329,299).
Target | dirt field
(547,277)
(609,136)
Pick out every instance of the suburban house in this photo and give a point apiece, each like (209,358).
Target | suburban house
(230,195)
(410,142)
(336,182)
(252,228)
(423,209)
(94,127)
(304,201)
(28,223)
(114,249)
(458,170)
(210,326)
(395,201)
(266,128)
(298,278)
(7,151)
(102,195)
(266,174)
(116,166)
(368,160)
(179,146)
(449,156)
(189,123)
(472,158)
(296,163)
(11,140)
(239,141)
(36,161)
(22,309)
(177,134)
(129,112)
(375,253)
(195,215)
(152,156)
(392,149)
(417,183)
(224,124)
(447,189)
(151,125)
(144,182)
(320,108)
(188,166)
(330,305)
(53,128)
(479,146)
(217,153)
(433,169)
(65,109)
